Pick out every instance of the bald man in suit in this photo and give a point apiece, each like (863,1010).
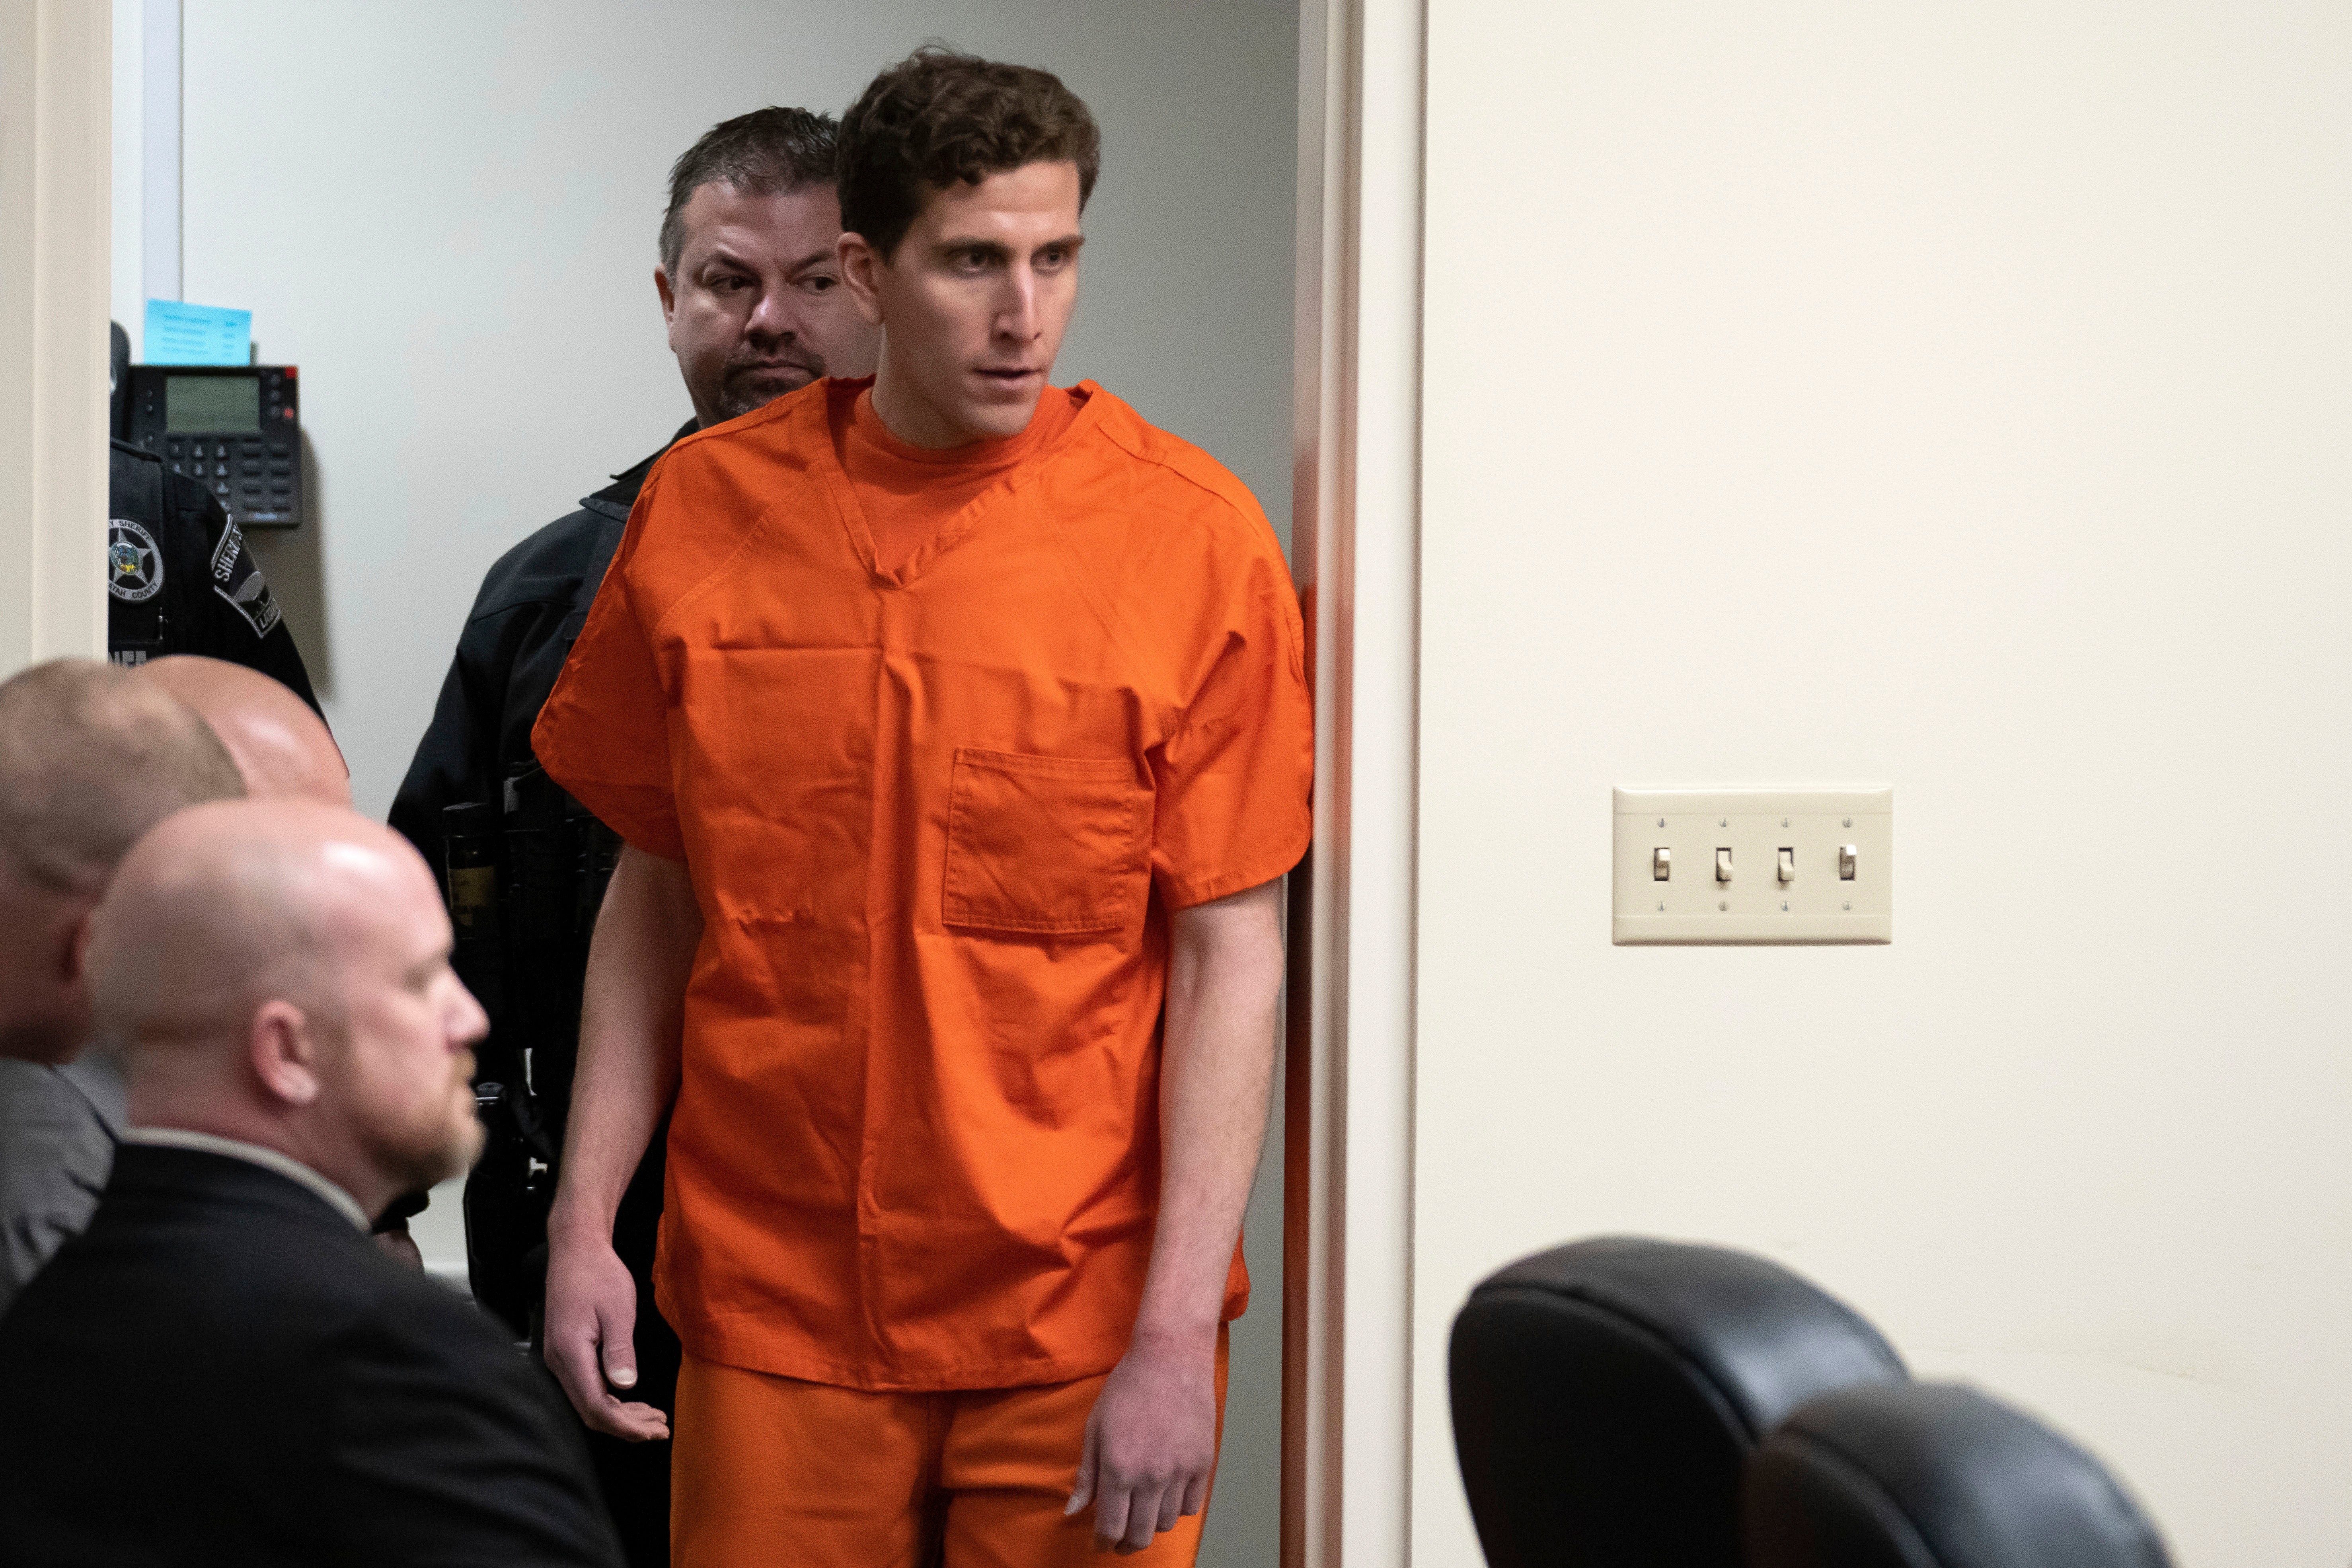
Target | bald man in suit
(298,1051)
(90,758)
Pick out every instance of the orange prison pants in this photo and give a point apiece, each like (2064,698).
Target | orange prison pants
(771,1472)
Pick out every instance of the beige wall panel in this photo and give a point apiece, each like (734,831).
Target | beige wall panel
(1952,398)
(53,140)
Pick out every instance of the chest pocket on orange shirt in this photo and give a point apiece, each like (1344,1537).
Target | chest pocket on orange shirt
(1054,846)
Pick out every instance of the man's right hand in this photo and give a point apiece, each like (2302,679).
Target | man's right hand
(630,1016)
(591,1316)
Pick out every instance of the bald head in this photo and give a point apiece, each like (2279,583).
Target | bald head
(277,971)
(225,906)
(281,747)
(89,760)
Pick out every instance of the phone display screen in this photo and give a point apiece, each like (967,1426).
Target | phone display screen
(203,405)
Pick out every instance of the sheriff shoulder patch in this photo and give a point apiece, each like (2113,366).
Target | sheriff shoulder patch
(240,582)
(225,554)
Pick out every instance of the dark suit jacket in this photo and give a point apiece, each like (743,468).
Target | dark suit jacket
(222,1370)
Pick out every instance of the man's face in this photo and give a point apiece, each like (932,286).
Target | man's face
(756,308)
(409,1025)
(972,304)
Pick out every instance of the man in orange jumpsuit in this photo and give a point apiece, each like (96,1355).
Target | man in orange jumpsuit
(958,729)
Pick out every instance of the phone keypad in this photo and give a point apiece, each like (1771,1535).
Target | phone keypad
(253,474)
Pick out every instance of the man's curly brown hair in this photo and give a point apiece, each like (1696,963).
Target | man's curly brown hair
(937,117)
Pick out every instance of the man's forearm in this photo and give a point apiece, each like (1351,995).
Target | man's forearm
(1224,983)
(631,1010)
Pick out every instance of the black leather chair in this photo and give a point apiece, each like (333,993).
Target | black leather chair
(1932,1476)
(1605,1395)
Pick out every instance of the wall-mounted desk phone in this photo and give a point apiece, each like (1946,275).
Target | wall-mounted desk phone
(234,427)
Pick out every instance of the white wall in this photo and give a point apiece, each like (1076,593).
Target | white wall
(444,213)
(1954,398)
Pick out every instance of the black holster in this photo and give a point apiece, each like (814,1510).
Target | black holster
(524,879)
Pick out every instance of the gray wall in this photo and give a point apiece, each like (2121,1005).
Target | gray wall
(444,213)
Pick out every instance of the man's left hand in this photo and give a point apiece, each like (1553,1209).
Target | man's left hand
(1151,1442)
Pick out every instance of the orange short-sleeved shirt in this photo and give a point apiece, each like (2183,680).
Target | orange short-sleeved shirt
(936,818)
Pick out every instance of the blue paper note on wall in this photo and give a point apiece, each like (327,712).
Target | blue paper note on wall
(182,333)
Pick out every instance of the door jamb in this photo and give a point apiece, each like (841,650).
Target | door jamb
(56,97)
(1349,1061)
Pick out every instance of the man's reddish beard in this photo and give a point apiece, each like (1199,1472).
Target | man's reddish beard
(430,1151)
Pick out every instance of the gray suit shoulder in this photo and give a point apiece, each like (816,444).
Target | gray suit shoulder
(55,1153)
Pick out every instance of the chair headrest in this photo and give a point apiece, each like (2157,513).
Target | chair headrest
(1606,1392)
(1934,1475)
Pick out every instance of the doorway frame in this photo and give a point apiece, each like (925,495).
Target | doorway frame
(1349,1065)
(55,93)
(1348,1191)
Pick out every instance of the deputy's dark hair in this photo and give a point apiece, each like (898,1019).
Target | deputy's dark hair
(767,152)
(937,117)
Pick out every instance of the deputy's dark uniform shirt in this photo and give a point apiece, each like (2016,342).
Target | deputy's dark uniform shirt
(533,603)
(179,580)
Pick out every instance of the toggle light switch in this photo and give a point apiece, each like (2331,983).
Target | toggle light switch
(1667,841)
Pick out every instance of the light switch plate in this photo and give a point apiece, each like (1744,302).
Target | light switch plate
(1815,905)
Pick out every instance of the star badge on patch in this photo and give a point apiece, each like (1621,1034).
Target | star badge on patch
(134,567)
